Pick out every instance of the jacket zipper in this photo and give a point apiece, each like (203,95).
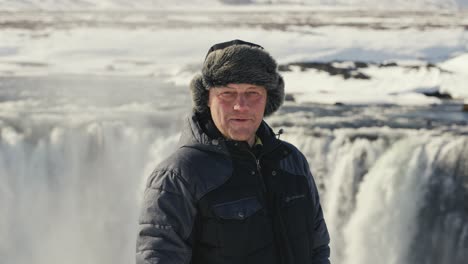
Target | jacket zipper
(259,174)
(257,162)
(285,257)
(260,177)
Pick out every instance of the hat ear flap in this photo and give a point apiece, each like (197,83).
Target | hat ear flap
(200,94)
(275,97)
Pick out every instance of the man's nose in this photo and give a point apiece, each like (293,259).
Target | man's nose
(241,102)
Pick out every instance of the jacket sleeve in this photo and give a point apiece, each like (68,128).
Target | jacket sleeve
(166,221)
(321,239)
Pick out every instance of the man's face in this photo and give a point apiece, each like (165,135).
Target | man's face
(237,110)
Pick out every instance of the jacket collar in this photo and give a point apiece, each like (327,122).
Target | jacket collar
(200,132)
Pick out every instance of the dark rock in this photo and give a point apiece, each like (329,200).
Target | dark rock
(369,137)
(284,68)
(428,123)
(352,71)
(390,64)
(346,73)
(359,64)
(413,67)
(361,76)
(438,94)
(289,98)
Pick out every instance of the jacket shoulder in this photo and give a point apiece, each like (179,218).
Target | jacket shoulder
(295,162)
(201,171)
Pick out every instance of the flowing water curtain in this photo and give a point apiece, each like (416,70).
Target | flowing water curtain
(72,193)
(443,229)
(388,194)
(381,189)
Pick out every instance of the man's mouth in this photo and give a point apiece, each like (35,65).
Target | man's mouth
(240,119)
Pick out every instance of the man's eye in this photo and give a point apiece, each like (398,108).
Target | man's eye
(253,94)
(227,94)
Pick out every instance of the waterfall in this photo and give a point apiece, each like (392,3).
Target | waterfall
(72,195)
(391,196)
(73,192)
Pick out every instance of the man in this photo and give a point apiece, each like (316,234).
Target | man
(233,192)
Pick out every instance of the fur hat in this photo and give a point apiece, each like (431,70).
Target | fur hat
(238,61)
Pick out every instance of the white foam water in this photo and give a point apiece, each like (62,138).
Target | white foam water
(73,195)
(377,194)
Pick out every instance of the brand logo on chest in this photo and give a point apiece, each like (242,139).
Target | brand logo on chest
(294,197)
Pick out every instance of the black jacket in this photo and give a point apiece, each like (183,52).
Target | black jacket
(219,201)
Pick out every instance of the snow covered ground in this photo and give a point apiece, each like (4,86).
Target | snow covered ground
(427,51)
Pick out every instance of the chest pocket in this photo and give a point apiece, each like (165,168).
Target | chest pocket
(243,226)
(237,210)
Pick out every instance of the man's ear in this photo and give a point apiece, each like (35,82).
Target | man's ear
(208,104)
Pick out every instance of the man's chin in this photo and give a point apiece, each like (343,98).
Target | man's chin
(241,136)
